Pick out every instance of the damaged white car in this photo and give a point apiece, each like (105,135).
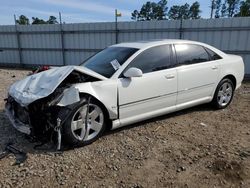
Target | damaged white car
(121,85)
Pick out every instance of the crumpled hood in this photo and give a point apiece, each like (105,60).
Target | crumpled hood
(42,84)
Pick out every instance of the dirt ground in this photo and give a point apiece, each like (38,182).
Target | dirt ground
(197,147)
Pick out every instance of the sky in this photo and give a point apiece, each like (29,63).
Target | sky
(78,11)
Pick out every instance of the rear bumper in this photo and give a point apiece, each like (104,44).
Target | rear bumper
(9,112)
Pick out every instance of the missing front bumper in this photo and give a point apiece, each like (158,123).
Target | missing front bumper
(20,126)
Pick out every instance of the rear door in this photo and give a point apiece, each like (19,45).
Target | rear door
(155,90)
(197,72)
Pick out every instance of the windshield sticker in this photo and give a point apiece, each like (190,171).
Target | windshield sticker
(116,65)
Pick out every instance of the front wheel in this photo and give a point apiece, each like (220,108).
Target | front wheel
(224,94)
(81,130)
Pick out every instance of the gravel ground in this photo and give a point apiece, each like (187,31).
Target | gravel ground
(197,147)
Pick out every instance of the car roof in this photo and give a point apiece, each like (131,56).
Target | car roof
(154,42)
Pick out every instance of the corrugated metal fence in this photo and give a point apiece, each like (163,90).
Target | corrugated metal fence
(70,44)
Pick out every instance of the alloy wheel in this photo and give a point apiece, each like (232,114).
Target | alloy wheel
(95,121)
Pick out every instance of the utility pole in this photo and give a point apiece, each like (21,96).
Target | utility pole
(116,25)
(62,39)
(18,43)
(212,9)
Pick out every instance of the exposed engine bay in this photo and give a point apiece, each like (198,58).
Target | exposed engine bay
(43,117)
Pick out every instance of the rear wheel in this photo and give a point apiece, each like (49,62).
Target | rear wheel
(81,130)
(223,94)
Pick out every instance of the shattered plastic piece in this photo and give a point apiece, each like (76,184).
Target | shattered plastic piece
(203,124)
(70,96)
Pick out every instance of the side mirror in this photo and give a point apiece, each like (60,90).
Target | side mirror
(133,72)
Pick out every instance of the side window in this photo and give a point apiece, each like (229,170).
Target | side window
(153,59)
(213,55)
(191,53)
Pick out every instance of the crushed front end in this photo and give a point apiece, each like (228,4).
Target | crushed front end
(42,117)
(38,118)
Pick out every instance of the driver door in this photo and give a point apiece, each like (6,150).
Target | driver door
(154,92)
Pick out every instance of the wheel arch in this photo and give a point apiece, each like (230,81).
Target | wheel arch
(229,76)
(225,79)
(232,78)
(106,112)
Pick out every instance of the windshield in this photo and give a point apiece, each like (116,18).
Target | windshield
(109,60)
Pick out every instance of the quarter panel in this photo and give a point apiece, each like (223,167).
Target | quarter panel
(233,65)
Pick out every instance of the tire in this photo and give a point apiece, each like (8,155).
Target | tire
(223,94)
(74,129)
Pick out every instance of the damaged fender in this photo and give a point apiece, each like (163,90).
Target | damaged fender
(101,91)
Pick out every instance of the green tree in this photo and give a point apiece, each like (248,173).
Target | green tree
(227,8)
(194,11)
(23,20)
(223,10)
(135,15)
(177,12)
(217,7)
(185,11)
(38,21)
(244,9)
(52,20)
(148,11)
(151,11)
(232,7)
(161,9)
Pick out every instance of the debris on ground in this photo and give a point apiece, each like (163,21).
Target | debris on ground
(203,124)
(20,156)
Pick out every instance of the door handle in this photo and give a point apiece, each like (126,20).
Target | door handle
(169,76)
(214,67)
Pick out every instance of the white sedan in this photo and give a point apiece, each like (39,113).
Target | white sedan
(121,85)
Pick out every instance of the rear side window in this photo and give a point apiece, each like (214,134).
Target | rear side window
(191,53)
(213,55)
(153,59)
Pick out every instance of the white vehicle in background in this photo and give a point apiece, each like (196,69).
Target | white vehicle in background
(123,84)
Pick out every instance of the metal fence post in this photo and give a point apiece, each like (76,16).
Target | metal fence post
(62,40)
(18,43)
(181,28)
(116,27)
